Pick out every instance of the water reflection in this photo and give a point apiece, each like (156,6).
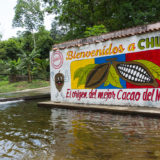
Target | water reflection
(28,132)
(105,136)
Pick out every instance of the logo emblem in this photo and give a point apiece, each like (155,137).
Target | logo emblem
(57,59)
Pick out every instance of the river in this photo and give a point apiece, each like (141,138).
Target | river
(28,132)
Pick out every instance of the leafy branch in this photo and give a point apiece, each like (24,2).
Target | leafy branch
(82,73)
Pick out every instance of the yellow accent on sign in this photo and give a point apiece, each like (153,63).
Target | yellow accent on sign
(74,66)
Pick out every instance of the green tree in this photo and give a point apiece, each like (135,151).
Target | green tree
(42,67)
(95,30)
(26,41)
(28,15)
(2,50)
(12,47)
(13,68)
(3,67)
(1,36)
(3,70)
(44,42)
(77,15)
(9,49)
(57,33)
(28,62)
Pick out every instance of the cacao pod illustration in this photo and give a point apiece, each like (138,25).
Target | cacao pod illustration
(138,72)
(135,73)
(59,81)
(97,75)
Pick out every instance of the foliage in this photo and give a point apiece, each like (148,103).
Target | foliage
(13,66)
(0,36)
(34,42)
(42,66)
(43,39)
(2,50)
(3,67)
(26,41)
(28,15)
(23,47)
(82,73)
(57,33)
(28,62)
(44,42)
(9,49)
(10,67)
(77,15)
(113,78)
(12,47)
(95,30)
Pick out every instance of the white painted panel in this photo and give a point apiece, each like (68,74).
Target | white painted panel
(131,78)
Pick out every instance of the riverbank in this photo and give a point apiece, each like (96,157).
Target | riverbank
(5,86)
(27,94)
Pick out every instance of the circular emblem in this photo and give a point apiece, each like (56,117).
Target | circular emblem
(57,59)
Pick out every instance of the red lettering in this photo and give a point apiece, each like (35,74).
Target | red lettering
(137,97)
(68,95)
(73,94)
(118,94)
(128,95)
(100,95)
(132,96)
(148,96)
(157,95)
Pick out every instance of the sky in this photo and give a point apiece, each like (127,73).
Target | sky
(6,17)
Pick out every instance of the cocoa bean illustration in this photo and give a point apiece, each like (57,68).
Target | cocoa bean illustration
(97,75)
(59,81)
(135,73)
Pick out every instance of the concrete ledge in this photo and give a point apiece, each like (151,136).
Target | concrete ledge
(143,111)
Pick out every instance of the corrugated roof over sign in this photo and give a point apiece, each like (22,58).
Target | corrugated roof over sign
(111,35)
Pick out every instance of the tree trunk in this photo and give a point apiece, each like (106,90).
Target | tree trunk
(29,74)
(34,40)
(12,78)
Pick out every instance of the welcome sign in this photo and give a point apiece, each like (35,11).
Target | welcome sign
(124,71)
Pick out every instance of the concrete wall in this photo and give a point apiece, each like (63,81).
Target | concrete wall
(124,71)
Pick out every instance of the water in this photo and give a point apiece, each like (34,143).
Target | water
(28,132)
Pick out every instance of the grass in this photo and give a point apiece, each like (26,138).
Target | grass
(5,86)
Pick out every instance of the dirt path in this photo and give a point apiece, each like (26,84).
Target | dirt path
(26,93)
